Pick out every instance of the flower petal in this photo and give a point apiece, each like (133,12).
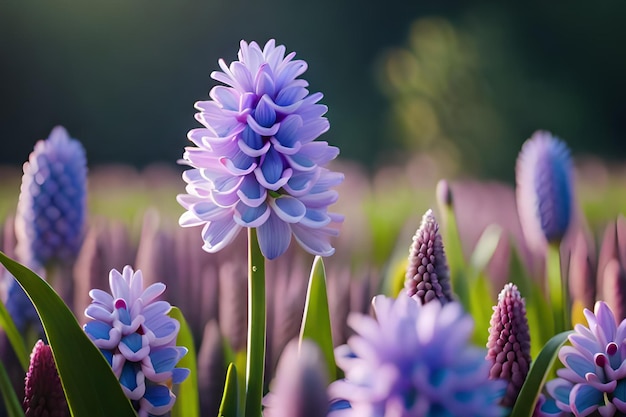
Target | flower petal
(274,237)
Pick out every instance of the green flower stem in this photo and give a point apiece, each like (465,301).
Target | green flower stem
(558,289)
(255,363)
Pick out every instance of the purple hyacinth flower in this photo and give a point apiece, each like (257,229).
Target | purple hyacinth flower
(427,274)
(593,381)
(256,163)
(299,388)
(415,360)
(136,335)
(43,392)
(52,204)
(508,347)
(544,189)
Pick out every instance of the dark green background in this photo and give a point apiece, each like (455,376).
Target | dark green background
(122,76)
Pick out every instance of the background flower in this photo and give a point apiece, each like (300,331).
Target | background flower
(138,338)
(52,206)
(255,163)
(415,359)
(544,189)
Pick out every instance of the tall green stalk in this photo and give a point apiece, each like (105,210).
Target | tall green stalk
(255,362)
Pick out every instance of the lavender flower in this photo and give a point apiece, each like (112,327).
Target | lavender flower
(509,342)
(52,203)
(544,189)
(415,360)
(427,274)
(299,388)
(593,381)
(255,163)
(43,392)
(138,338)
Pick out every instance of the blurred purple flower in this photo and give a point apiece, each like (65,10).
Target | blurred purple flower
(415,359)
(508,347)
(138,338)
(255,162)
(427,274)
(593,381)
(52,204)
(299,388)
(544,189)
(43,392)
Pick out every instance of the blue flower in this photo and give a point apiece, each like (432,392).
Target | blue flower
(256,163)
(415,360)
(52,205)
(135,334)
(544,189)
(594,377)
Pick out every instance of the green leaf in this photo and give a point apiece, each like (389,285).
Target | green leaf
(525,404)
(230,400)
(90,386)
(454,255)
(187,401)
(11,402)
(14,336)
(316,319)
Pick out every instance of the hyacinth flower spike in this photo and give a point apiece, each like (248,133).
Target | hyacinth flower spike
(508,347)
(43,392)
(593,381)
(427,274)
(138,338)
(544,177)
(50,218)
(256,165)
(414,360)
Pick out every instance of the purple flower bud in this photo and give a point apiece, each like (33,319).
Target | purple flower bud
(256,163)
(51,210)
(427,274)
(299,388)
(544,189)
(43,392)
(509,342)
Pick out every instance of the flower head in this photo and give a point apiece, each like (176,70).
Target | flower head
(427,274)
(135,334)
(52,203)
(415,360)
(299,388)
(43,392)
(255,163)
(544,189)
(508,347)
(594,377)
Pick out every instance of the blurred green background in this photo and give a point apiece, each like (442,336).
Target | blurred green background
(466,81)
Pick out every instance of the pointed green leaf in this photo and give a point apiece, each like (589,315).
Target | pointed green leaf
(454,255)
(11,402)
(14,336)
(525,404)
(230,400)
(90,386)
(187,401)
(316,319)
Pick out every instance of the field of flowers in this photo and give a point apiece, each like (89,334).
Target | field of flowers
(424,296)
